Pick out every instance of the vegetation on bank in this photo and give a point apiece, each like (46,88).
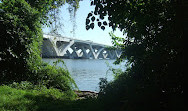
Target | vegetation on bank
(24,98)
(26,82)
(21,40)
(153,47)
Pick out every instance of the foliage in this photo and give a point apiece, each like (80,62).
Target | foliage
(21,41)
(115,71)
(54,76)
(20,38)
(45,7)
(54,20)
(56,93)
(153,45)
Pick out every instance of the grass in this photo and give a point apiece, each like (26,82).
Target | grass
(12,99)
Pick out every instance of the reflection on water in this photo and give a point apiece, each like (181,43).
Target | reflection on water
(86,72)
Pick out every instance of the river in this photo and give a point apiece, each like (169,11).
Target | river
(86,72)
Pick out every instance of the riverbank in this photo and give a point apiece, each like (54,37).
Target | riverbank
(46,100)
(86,94)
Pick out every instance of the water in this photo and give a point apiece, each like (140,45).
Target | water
(86,72)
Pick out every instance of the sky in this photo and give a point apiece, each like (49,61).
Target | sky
(96,35)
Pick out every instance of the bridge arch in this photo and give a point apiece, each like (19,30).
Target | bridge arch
(64,47)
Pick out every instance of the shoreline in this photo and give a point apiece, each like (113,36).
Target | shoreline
(86,94)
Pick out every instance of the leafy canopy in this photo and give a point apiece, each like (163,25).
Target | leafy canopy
(21,40)
(153,45)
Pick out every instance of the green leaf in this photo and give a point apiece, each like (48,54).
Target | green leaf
(104,23)
(92,25)
(102,27)
(87,27)
(87,21)
(101,17)
(89,15)
(99,24)
(92,3)
(93,18)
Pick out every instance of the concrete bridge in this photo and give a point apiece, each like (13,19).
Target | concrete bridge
(63,47)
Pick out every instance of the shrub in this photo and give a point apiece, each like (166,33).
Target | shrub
(54,76)
(20,46)
(20,39)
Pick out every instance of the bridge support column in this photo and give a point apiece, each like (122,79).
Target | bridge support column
(64,47)
(85,54)
(48,49)
(73,54)
(118,53)
(92,51)
(99,52)
(111,54)
(95,51)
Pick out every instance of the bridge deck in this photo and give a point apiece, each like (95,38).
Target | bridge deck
(58,46)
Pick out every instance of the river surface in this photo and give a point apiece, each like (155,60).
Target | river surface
(87,72)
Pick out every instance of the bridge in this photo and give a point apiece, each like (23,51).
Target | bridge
(63,47)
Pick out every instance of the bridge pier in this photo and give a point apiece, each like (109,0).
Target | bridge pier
(85,54)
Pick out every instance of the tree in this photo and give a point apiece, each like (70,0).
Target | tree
(154,47)
(20,30)
(21,39)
